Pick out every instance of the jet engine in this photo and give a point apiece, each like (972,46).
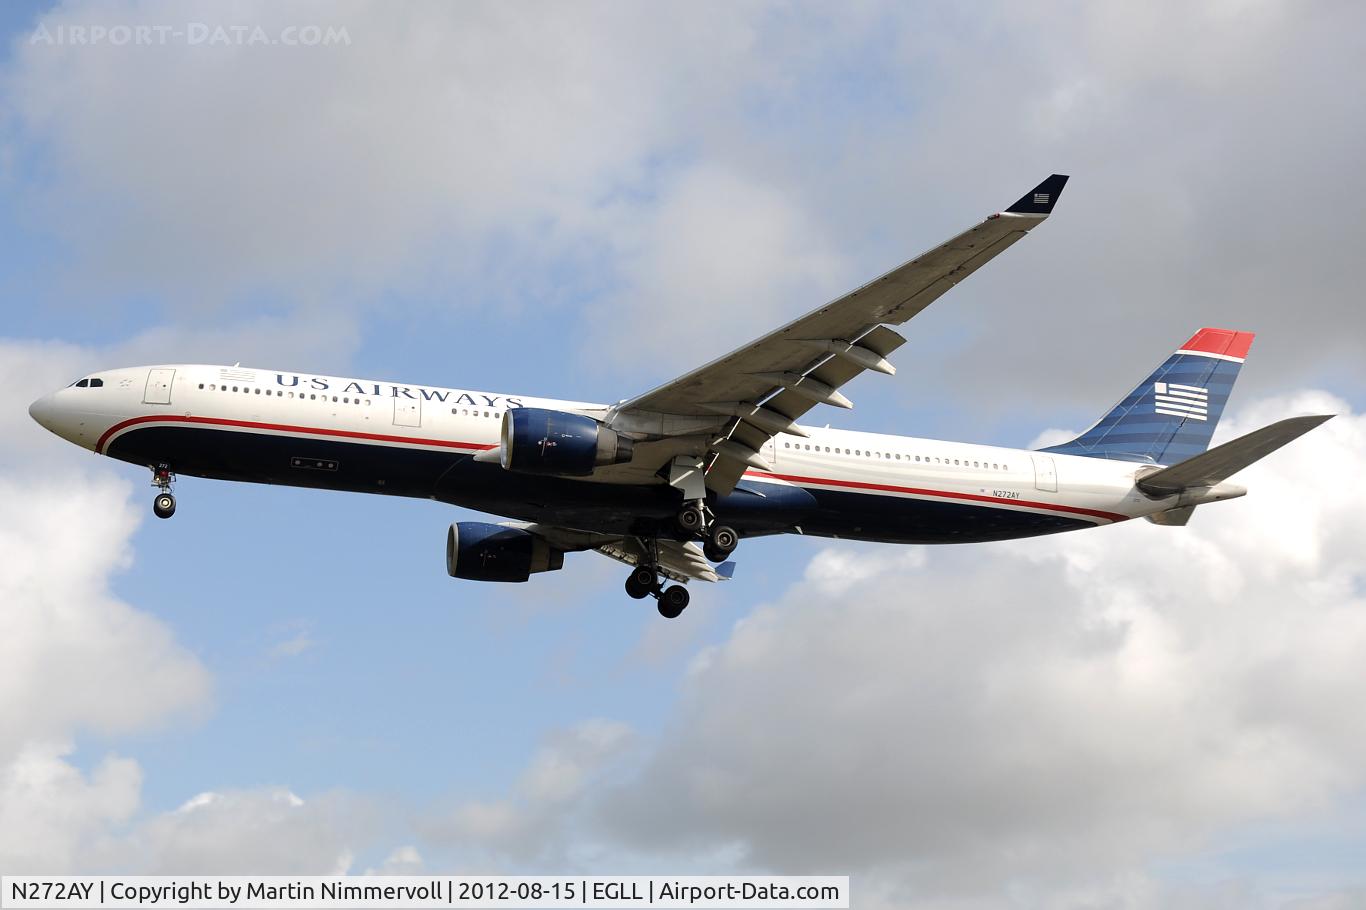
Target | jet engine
(539,441)
(487,552)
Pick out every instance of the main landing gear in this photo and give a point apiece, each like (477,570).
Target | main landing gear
(718,540)
(163,506)
(644,582)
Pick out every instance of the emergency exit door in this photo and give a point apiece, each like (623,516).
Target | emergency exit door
(407,412)
(1045,476)
(158,387)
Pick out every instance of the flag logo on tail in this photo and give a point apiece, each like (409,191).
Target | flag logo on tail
(1181,400)
(1041,199)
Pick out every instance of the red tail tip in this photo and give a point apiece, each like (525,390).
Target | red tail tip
(1225,342)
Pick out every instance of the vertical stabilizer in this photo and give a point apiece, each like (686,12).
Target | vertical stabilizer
(1171,415)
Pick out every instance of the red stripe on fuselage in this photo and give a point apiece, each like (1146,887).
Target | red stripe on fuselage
(285,428)
(943,494)
(479,446)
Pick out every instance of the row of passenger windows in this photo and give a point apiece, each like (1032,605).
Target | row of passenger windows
(282,393)
(897,456)
(311,396)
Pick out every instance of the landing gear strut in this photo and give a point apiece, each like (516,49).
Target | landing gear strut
(163,506)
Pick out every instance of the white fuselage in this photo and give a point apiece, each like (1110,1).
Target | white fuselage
(242,410)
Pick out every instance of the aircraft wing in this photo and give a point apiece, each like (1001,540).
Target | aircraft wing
(732,406)
(678,561)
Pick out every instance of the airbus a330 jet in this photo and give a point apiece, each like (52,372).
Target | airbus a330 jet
(671,480)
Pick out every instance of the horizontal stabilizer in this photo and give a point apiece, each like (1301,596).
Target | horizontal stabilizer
(1223,461)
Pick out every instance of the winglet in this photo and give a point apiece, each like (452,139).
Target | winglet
(725,570)
(1041,199)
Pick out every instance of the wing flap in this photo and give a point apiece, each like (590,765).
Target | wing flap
(680,562)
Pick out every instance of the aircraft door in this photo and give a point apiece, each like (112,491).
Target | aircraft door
(407,412)
(1045,475)
(158,387)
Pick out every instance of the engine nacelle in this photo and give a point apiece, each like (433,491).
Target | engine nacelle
(486,552)
(539,441)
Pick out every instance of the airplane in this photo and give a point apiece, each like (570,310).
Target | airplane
(671,480)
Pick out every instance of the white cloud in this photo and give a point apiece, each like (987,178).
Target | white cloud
(228,169)
(1047,717)
(537,821)
(267,831)
(722,257)
(405,860)
(74,657)
(52,815)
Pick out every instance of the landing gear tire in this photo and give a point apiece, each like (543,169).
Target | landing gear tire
(720,543)
(673,600)
(164,505)
(641,583)
(691,519)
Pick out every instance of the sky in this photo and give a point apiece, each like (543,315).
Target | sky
(582,201)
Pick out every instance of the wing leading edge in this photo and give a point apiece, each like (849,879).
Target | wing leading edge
(732,406)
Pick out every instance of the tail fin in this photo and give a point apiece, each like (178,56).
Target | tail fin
(1171,415)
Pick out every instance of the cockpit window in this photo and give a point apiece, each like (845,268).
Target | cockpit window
(87,383)
(84,383)
(97,383)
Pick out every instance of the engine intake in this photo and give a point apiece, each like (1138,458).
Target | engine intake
(540,441)
(487,552)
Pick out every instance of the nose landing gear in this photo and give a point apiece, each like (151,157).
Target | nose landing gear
(163,506)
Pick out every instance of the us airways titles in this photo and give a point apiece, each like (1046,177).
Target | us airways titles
(381,389)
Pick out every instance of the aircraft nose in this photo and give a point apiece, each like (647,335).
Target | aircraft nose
(43,411)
